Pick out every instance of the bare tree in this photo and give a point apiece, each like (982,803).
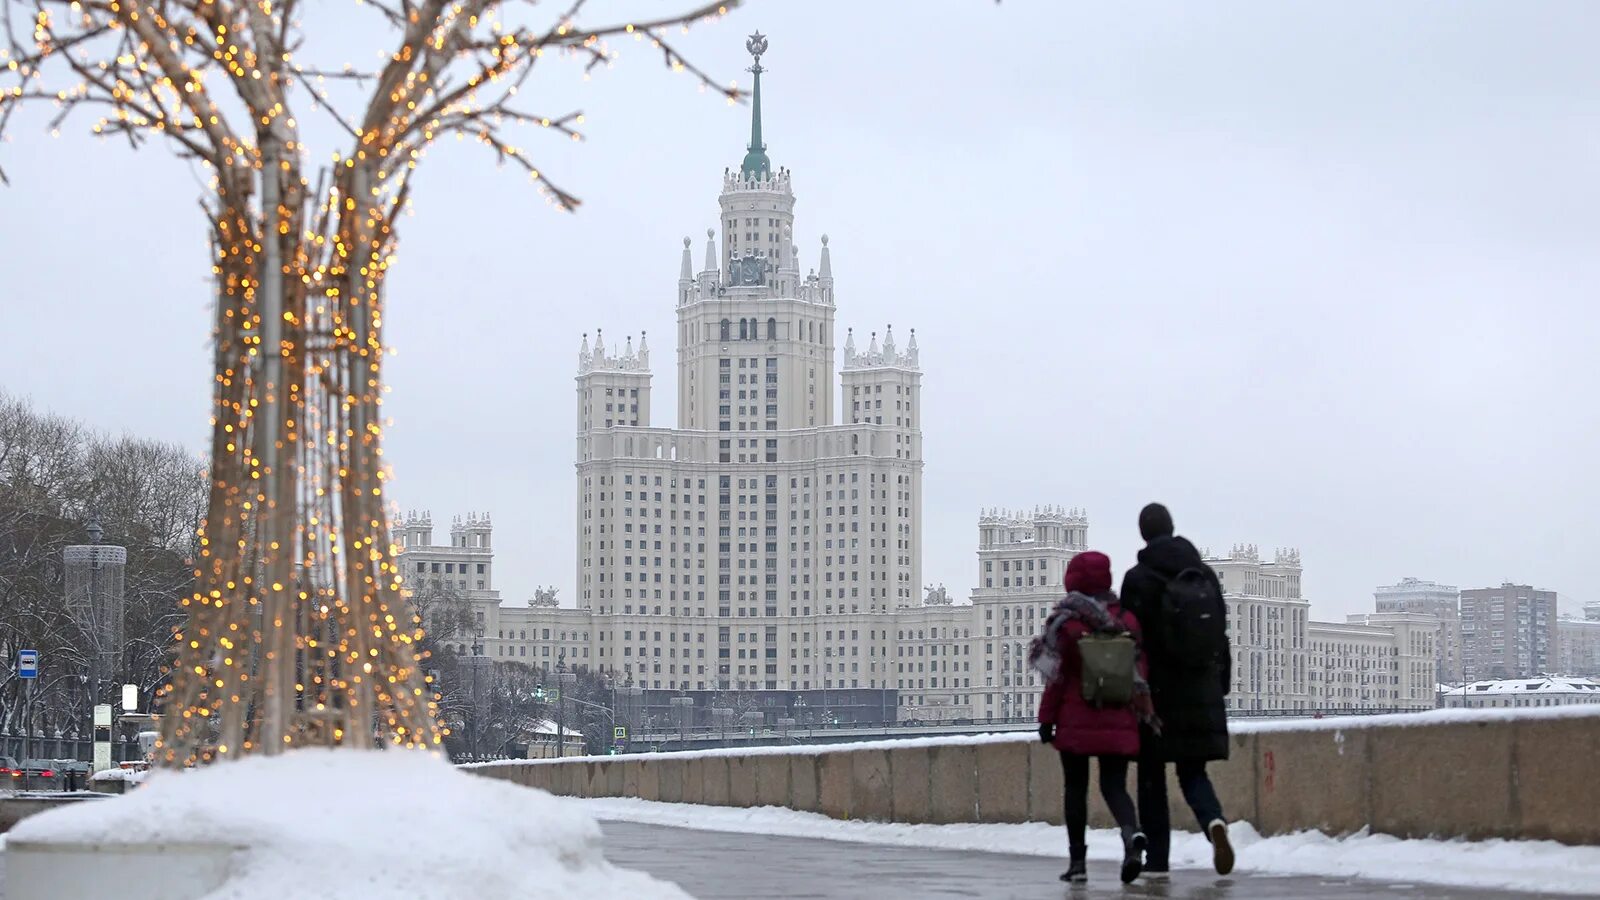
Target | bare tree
(515,708)
(297,632)
(55,474)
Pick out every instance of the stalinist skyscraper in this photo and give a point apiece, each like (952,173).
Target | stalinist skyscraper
(762,543)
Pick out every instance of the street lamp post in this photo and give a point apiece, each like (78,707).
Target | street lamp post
(632,707)
(685,708)
(722,715)
(565,680)
(472,732)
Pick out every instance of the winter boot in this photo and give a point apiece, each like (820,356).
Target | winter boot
(1077,871)
(1133,844)
(1221,849)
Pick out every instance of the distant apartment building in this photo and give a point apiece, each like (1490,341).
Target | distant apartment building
(1379,661)
(1577,647)
(1285,661)
(1507,632)
(1413,595)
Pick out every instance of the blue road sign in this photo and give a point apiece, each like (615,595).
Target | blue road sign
(27,663)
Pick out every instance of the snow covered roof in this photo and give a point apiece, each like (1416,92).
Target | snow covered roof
(548,727)
(1545,684)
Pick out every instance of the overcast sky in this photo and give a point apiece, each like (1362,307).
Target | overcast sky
(1323,277)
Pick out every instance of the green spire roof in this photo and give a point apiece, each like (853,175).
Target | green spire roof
(756,163)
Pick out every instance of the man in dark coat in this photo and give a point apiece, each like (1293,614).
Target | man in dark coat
(1189,704)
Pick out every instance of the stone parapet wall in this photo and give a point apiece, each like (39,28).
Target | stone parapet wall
(1524,776)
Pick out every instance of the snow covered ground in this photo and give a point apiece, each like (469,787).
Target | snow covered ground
(359,825)
(1507,865)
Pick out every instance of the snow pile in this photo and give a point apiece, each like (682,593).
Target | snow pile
(1543,866)
(355,824)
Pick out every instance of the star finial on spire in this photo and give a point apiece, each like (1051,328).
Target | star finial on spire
(757,45)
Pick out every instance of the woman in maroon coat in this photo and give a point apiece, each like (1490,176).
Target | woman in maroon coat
(1080,730)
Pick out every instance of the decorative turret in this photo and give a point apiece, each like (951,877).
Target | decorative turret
(1053,526)
(887,355)
(418,529)
(472,531)
(686,269)
(627,361)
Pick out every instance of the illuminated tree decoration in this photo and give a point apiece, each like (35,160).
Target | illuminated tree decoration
(298,633)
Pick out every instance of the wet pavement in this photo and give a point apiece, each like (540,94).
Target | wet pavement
(715,865)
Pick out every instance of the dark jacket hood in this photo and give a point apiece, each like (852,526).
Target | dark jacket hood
(1170,555)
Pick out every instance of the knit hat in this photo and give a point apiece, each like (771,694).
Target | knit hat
(1088,573)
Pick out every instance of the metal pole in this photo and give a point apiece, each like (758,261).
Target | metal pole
(96,648)
(27,724)
(477,703)
(565,680)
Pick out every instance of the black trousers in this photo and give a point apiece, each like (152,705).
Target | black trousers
(1113,787)
(1197,792)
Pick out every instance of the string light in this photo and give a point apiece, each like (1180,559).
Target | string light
(299,632)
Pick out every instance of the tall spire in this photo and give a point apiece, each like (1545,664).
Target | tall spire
(686,272)
(711,251)
(756,163)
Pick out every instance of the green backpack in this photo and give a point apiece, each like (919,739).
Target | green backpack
(1108,665)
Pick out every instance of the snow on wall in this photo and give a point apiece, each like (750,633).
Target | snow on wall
(1236,726)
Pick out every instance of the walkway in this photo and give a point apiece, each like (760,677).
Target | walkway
(724,866)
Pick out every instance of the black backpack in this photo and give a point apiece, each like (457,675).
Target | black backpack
(1194,619)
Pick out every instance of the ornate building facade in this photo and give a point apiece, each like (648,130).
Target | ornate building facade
(764,545)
